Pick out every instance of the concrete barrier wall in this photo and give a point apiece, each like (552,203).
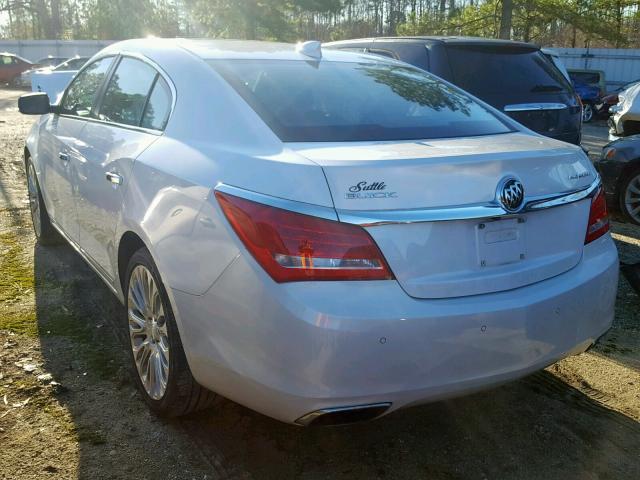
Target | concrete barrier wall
(35,49)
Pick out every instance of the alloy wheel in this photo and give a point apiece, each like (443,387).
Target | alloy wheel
(632,198)
(148,332)
(34,199)
(587,113)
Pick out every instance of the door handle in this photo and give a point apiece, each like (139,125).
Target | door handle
(114,178)
(63,156)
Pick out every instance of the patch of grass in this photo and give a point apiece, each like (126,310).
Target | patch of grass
(22,323)
(16,274)
(90,345)
(61,416)
(94,437)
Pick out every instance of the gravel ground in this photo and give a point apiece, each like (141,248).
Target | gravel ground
(69,410)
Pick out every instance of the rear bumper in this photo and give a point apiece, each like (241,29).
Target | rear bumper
(573,137)
(289,349)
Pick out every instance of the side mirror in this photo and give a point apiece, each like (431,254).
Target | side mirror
(37,103)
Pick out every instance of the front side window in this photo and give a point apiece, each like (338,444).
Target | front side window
(80,97)
(126,95)
(355,101)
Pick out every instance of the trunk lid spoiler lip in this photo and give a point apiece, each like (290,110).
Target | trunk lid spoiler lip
(371,218)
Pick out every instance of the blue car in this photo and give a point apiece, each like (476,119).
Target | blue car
(589,96)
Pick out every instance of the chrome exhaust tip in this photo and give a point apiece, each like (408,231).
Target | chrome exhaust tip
(343,415)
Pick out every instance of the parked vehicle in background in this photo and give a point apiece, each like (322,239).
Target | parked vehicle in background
(24,80)
(557,61)
(50,61)
(612,98)
(514,77)
(53,81)
(590,97)
(625,115)
(619,168)
(317,263)
(11,66)
(594,78)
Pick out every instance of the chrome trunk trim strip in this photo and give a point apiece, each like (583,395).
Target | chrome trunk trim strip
(372,218)
(528,107)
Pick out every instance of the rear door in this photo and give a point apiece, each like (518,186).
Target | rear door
(520,81)
(60,143)
(131,115)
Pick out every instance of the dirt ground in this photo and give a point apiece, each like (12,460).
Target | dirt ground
(69,410)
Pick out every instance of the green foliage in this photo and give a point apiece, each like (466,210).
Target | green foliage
(602,23)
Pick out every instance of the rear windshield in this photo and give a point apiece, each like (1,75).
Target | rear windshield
(482,70)
(589,78)
(338,101)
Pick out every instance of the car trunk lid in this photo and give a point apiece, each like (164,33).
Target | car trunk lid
(439,259)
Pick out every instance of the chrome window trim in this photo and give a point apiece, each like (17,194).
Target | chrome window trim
(528,107)
(328,213)
(372,218)
(117,57)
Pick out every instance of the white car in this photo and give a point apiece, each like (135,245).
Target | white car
(43,64)
(321,236)
(625,118)
(53,81)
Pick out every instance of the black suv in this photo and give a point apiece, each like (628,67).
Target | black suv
(514,77)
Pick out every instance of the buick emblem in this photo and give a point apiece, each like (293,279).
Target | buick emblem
(511,194)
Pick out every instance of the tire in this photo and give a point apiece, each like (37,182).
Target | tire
(587,113)
(164,380)
(630,197)
(44,231)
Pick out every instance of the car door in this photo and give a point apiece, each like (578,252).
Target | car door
(131,115)
(59,141)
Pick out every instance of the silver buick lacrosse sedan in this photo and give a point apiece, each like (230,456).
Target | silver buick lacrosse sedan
(321,236)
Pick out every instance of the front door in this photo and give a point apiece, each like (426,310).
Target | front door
(60,144)
(58,155)
(110,146)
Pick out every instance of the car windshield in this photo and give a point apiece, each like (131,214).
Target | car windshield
(489,70)
(49,61)
(342,101)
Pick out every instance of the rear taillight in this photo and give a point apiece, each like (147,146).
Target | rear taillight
(294,247)
(598,217)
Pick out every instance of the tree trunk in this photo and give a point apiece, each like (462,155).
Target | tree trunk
(505,19)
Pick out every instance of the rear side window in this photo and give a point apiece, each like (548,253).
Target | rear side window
(80,97)
(355,101)
(126,95)
(490,70)
(157,109)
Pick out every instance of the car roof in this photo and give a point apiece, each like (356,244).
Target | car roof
(237,49)
(452,40)
(17,56)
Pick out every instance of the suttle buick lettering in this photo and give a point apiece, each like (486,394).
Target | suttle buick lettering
(364,190)
(215,187)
